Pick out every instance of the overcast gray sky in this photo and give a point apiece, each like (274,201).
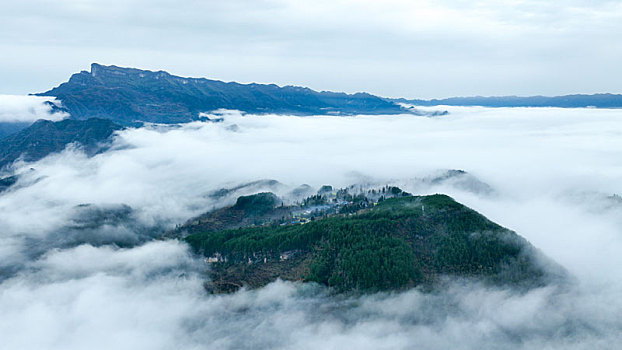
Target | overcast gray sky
(392,48)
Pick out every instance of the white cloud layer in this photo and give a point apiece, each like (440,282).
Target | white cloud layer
(553,172)
(23,109)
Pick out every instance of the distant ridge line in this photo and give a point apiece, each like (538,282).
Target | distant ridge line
(128,95)
(600,100)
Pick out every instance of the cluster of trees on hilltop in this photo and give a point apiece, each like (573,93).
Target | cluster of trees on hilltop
(401,242)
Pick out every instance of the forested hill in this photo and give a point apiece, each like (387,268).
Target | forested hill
(45,137)
(126,95)
(397,243)
(567,101)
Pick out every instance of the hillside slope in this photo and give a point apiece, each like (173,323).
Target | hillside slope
(44,137)
(399,243)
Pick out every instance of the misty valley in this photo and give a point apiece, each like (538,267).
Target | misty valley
(139,209)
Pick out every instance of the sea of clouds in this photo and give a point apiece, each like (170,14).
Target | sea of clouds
(70,285)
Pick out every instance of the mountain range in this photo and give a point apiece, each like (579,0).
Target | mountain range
(128,95)
(131,97)
(566,101)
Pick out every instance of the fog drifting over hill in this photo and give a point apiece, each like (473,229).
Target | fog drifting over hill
(553,171)
(24,109)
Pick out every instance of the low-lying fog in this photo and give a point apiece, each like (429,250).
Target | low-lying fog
(553,174)
(22,109)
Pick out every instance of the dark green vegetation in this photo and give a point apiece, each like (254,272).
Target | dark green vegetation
(266,208)
(399,243)
(567,101)
(126,95)
(260,203)
(45,137)
(252,210)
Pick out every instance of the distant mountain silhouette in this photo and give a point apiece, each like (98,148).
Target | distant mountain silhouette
(567,101)
(126,95)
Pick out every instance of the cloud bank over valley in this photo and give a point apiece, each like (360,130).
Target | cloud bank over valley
(24,109)
(83,268)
